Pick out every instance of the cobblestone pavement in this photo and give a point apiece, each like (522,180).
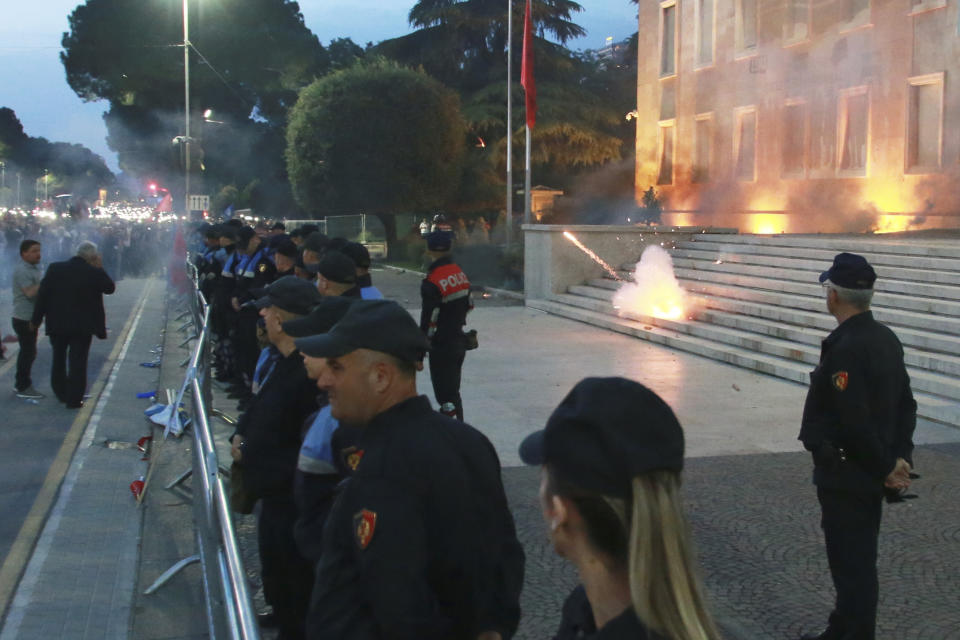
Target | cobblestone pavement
(755,520)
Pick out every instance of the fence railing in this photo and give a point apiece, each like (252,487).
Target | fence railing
(230,612)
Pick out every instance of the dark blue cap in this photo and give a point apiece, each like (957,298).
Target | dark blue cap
(378,325)
(440,240)
(328,312)
(850,271)
(606,432)
(289,293)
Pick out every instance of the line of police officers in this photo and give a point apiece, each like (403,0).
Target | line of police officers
(382,518)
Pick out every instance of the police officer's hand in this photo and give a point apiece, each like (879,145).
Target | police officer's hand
(235,302)
(235,452)
(899,478)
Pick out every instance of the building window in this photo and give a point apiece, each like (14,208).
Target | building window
(703,146)
(668,38)
(745,144)
(919,6)
(852,131)
(796,25)
(794,156)
(854,13)
(924,123)
(746,26)
(706,31)
(666,149)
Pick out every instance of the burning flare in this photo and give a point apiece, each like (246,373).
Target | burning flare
(654,290)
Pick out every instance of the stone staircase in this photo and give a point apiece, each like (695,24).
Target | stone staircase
(757,304)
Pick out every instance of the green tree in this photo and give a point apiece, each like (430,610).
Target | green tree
(375,138)
(582,100)
(251,57)
(70,168)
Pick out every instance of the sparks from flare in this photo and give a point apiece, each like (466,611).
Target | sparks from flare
(600,261)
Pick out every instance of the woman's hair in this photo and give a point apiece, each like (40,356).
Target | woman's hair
(648,537)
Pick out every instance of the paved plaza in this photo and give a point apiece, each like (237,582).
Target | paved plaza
(747,485)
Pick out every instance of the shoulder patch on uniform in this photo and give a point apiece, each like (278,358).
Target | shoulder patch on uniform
(352,457)
(262,267)
(364,522)
(840,380)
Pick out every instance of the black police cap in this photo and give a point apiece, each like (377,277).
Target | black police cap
(244,236)
(336,267)
(440,240)
(316,242)
(229,231)
(606,432)
(285,246)
(850,271)
(378,325)
(358,253)
(289,293)
(328,312)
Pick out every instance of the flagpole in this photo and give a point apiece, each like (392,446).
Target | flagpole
(509,122)
(526,184)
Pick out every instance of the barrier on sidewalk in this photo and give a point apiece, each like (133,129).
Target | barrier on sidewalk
(230,612)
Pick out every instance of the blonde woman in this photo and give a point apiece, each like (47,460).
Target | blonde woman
(612,454)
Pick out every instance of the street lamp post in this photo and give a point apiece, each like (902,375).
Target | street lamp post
(186,105)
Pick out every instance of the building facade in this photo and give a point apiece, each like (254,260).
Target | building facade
(801,115)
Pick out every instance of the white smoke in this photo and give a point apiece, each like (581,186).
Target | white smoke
(654,290)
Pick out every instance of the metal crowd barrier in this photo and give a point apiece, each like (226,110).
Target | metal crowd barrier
(230,612)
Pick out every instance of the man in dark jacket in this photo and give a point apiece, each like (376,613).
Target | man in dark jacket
(71,300)
(266,445)
(420,542)
(858,422)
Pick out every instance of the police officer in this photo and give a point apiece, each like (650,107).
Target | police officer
(329,452)
(361,257)
(858,422)
(612,456)
(337,276)
(420,542)
(266,445)
(445,293)
(255,270)
(224,314)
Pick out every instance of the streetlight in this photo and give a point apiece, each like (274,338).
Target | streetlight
(186,105)
(207,117)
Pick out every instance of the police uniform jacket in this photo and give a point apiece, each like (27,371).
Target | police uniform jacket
(446,301)
(420,543)
(270,428)
(256,272)
(860,414)
(577,622)
(227,281)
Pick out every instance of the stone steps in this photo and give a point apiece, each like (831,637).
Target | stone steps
(930,406)
(943,384)
(756,303)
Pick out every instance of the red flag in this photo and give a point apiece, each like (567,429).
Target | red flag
(166,205)
(526,70)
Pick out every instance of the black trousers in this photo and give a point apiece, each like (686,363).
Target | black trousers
(287,576)
(851,527)
(28,353)
(68,374)
(446,363)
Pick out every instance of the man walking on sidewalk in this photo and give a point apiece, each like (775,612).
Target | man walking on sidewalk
(26,283)
(71,298)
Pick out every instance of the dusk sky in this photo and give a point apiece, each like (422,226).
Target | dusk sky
(33,84)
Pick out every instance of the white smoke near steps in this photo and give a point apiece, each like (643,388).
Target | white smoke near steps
(654,291)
